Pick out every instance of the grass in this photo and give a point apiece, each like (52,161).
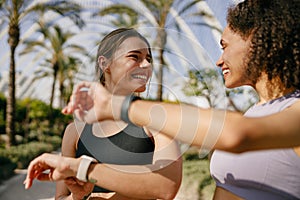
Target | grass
(197,183)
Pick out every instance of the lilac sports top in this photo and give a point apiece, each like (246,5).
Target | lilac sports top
(260,175)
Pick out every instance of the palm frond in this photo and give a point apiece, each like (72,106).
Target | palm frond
(188,7)
(61,7)
(118,9)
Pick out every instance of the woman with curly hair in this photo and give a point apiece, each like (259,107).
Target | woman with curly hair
(260,49)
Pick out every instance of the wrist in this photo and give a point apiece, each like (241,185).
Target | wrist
(84,164)
(77,197)
(73,165)
(116,106)
(126,106)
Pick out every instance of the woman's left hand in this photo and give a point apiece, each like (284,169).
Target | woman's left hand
(78,188)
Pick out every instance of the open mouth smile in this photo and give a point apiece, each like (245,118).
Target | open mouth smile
(140,76)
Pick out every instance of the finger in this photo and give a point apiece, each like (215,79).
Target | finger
(80,182)
(70,181)
(32,172)
(67,109)
(82,98)
(81,85)
(38,165)
(90,116)
(79,115)
(44,177)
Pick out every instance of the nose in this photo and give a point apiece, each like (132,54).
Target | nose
(145,64)
(220,62)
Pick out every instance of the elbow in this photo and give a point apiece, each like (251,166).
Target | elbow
(238,140)
(169,189)
(169,192)
(167,181)
(239,144)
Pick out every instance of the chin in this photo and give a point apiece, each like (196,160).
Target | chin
(229,85)
(141,89)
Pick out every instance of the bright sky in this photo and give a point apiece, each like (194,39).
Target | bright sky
(189,44)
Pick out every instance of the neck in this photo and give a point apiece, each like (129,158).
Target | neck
(270,89)
(117,91)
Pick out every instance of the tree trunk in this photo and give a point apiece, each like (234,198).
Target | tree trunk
(11,104)
(160,76)
(162,40)
(55,71)
(13,41)
(62,101)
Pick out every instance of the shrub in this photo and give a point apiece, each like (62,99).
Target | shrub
(55,140)
(193,154)
(2,113)
(7,168)
(22,154)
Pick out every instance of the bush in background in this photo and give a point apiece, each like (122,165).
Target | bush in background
(36,133)
(197,183)
(22,154)
(7,168)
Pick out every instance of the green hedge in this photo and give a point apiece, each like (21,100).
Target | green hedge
(7,168)
(36,132)
(20,156)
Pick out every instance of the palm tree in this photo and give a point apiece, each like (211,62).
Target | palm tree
(208,83)
(62,65)
(13,13)
(66,78)
(159,10)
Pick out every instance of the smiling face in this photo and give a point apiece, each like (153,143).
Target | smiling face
(130,68)
(232,60)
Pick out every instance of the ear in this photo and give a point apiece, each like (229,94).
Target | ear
(103,64)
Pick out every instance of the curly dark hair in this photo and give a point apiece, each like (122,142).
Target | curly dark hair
(274,28)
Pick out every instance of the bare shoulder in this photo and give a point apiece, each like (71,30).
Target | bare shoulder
(71,137)
(74,128)
(294,108)
(296,105)
(288,117)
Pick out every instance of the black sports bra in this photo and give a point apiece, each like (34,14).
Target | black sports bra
(131,146)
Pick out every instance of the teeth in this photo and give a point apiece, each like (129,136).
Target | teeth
(140,77)
(225,71)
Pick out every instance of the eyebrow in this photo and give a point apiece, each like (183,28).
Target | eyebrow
(135,51)
(139,52)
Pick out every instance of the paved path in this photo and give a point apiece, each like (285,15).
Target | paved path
(13,189)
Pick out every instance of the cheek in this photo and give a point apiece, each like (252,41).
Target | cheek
(150,71)
(120,69)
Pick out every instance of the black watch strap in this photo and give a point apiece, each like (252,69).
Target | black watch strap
(125,107)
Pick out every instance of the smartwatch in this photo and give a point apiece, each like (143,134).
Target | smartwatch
(83,167)
(125,106)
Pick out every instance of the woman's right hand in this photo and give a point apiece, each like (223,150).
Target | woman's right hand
(51,167)
(91,102)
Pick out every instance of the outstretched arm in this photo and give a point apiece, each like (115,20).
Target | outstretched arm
(213,129)
(218,129)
